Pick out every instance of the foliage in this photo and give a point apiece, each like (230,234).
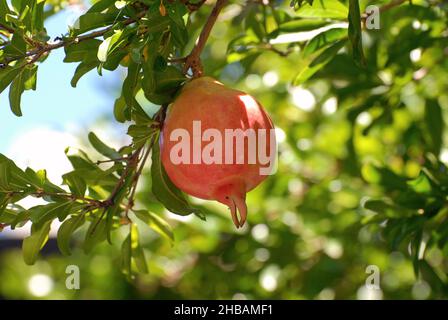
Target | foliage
(367,177)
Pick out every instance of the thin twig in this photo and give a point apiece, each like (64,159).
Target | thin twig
(68,196)
(112,160)
(137,175)
(391,5)
(269,46)
(132,163)
(383,8)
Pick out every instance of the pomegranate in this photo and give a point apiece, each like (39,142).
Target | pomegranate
(217,143)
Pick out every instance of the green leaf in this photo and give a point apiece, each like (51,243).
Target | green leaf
(121,111)
(137,251)
(17,46)
(102,148)
(421,184)
(354,32)
(177,25)
(324,39)
(415,245)
(252,22)
(131,251)
(4,10)
(386,209)
(324,9)
(130,84)
(96,234)
(165,191)
(39,180)
(140,134)
(169,79)
(37,19)
(298,25)
(76,183)
(30,77)
(149,79)
(15,94)
(82,51)
(167,84)
(126,256)
(81,70)
(431,276)
(108,45)
(435,125)
(156,223)
(66,230)
(16,176)
(180,35)
(11,215)
(44,213)
(35,242)
(5,176)
(20,220)
(310,64)
(102,5)
(156,23)
(94,20)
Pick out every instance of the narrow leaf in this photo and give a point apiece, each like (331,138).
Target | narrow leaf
(354,32)
(65,232)
(34,243)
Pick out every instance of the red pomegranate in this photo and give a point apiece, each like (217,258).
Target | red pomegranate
(217,144)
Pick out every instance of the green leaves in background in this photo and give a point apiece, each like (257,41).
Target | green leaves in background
(323,9)
(435,125)
(299,25)
(412,205)
(156,223)
(318,52)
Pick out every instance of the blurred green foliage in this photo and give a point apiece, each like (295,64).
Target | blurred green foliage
(362,177)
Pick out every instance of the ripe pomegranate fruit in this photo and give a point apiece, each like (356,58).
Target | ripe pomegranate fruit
(199,144)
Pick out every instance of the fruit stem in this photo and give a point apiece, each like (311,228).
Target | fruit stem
(193,60)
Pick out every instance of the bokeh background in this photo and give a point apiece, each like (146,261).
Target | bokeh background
(308,234)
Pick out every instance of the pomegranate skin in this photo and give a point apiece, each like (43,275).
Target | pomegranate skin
(208,102)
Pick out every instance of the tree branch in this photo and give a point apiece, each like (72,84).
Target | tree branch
(68,196)
(43,49)
(159,118)
(193,60)
(138,173)
(132,162)
(392,4)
